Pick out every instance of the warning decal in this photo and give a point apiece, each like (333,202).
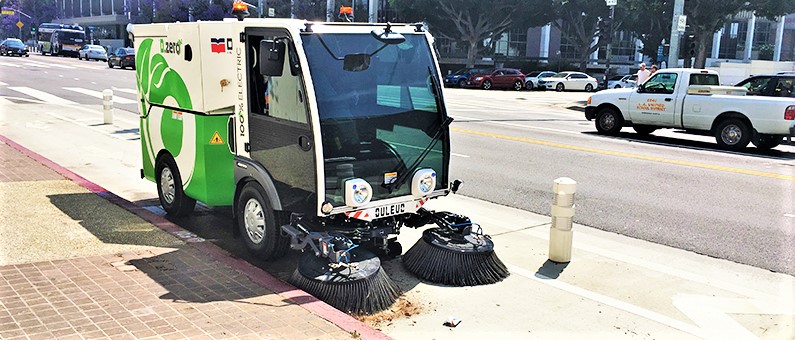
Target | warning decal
(216,139)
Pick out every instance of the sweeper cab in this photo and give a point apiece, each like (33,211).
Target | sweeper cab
(322,137)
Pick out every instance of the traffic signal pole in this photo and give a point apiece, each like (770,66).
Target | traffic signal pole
(673,50)
(609,46)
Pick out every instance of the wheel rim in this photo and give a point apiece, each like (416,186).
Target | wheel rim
(588,88)
(517,85)
(462,83)
(559,87)
(487,85)
(254,218)
(167,186)
(607,121)
(731,134)
(529,85)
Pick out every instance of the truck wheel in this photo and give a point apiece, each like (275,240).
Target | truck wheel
(588,88)
(257,222)
(169,188)
(518,85)
(733,134)
(765,142)
(486,85)
(608,121)
(560,87)
(644,129)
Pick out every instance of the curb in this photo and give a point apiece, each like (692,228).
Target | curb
(255,274)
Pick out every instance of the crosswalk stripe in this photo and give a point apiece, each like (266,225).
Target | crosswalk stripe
(37,65)
(3,84)
(97,94)
(130,91)
(43,65)
(9,64)
(44,96)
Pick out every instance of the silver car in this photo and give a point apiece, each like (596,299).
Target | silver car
(531,80)
(625,82)
(92,52)
(564,81)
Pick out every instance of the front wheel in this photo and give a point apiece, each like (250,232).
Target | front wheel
(765,142)
(517,85)
(528,85)
(733,134)
(609,121)
(169,188)
(486,85)
(617,87)
(560,87)
(462,83)
(110,65)
(257,222)
(588,88)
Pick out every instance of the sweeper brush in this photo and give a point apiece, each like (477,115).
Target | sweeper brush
(455,256)
(360,286)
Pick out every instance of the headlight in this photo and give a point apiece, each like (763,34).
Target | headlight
(423,183)
(478,78)
(357,192)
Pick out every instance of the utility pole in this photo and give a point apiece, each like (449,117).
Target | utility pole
(609,25)
(373,15)
(673,50)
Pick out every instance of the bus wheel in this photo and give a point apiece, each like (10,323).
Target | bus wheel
(257,222)
(169,188)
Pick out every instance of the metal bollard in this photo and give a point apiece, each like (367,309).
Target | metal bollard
(107,106)
(560,234)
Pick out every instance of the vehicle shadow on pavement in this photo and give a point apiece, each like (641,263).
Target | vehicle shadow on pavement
(698,145)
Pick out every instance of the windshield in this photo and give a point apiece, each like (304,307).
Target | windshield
(15,43)
(66,36)
(534,74)
(379,119)
(559,75)
(617,78)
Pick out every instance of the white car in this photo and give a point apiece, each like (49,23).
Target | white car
(628,81)
(532,78)
(95,52)
(569,81)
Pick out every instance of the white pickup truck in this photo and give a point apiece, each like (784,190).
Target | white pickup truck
(690,99)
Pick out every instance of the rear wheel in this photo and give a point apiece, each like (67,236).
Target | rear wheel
(588,88)
(609,121)
(517,85)
(257,222)
(617,87)
(110,65)
(528,85)
(644,129)
(462,83)
(169,188)
(560,87)
(486,85)
(765,142)
(733,134)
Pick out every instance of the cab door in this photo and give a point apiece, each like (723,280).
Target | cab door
(280,132)
(654,102)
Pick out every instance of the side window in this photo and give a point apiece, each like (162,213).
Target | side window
(756,85)
(704,79)
(661,83)
(281,97)
(784,88)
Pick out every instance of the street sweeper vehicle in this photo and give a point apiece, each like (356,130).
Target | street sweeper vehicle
(323,137)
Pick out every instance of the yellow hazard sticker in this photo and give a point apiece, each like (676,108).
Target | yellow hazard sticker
(390,177)
(216,140)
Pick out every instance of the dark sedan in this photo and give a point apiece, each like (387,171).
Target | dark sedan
(123,57)
(460,77)
(13,47)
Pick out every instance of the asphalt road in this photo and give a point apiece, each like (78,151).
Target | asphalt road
(671,188)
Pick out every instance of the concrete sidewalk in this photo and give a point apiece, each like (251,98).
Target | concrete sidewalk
(75,265)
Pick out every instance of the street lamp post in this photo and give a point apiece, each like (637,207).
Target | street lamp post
(676,27)
(612,4)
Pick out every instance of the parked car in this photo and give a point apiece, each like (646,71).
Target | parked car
(771,85)
(13,46)
(570,81)
(506,78)
(460,77)
(628,81)
(89,52)
(532,78)
(123,57)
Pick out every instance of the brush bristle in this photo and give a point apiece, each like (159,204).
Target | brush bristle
(365,296)
(453,268)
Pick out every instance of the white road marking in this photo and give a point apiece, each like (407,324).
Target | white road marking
(43,96)
(77,78)
(712,313)
(130,91)
(9,64)
(3,84)
(789,215)
(37,65)
(97,94)
(682,326)
(516,125)
(53,64)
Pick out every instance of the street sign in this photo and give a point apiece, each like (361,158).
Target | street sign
(681,24)
(611,2)
(7,12)
(271,12)
(20,24)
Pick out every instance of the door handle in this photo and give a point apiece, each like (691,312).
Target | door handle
(668,99)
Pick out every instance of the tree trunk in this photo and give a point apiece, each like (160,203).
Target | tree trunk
(584,53)
(471,52)
(701,50)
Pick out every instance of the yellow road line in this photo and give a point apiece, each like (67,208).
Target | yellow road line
(627,155)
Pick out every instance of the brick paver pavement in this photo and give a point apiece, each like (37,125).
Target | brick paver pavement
(158,292)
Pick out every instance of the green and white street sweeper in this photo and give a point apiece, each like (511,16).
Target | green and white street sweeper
(323,137)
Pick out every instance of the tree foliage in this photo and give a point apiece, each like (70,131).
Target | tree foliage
(650,21)
(578,22)
(39,10)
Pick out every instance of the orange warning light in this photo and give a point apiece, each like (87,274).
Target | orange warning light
(239,6)
(346,10)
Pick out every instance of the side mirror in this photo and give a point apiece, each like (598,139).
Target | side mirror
(641,88)
(271,57)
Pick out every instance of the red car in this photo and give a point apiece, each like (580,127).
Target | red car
(501,78)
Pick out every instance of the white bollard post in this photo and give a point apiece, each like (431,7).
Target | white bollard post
(560,234)
(107,106)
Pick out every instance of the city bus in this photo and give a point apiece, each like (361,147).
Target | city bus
(56,39)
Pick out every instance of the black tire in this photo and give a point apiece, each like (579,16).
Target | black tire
(644,129)
(617,87)
(517,85)
(169,188)
(588,87)
(486,85)
(733,134)
(529,85)
(765,142)
(254,210)
(110,65)
(560,87)
(462,83)
(609,121)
